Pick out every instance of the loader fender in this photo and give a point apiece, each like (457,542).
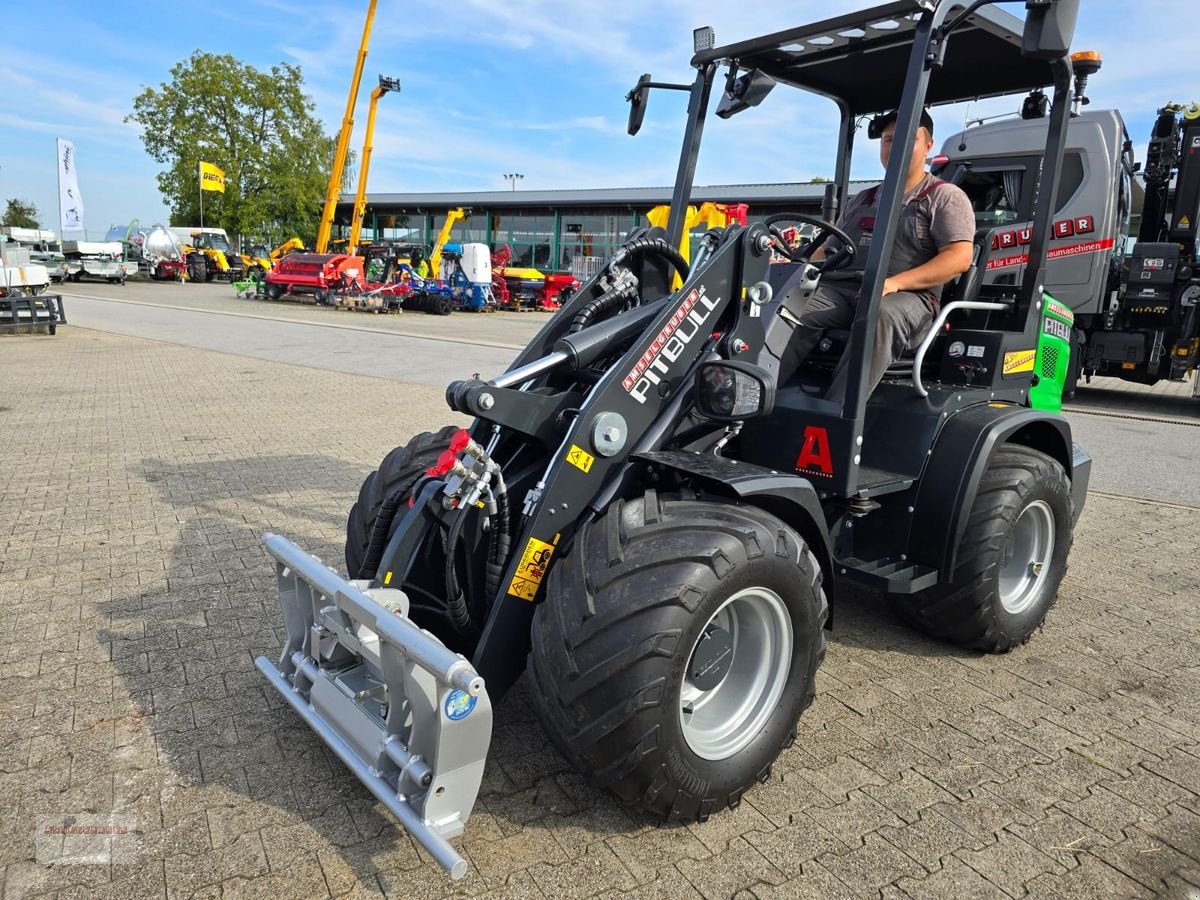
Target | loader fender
(960,456)
(788,497)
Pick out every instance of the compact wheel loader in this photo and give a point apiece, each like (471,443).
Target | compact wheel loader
(653,527)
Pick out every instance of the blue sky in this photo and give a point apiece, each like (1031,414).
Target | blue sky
(527,86)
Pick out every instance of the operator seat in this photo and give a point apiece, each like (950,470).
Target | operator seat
(964,287)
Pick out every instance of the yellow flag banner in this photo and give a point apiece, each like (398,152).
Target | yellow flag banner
(211,178)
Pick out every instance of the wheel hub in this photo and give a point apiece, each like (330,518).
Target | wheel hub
(1024,564)
(736,673)
(712,658)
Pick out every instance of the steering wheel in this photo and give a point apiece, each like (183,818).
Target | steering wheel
(840,259)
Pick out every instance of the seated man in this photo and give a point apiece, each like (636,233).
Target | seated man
(934,244)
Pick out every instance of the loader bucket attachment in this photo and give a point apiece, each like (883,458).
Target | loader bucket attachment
(407,716)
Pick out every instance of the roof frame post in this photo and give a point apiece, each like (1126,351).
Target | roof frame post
(912,101)
(1051,176)
(697,110)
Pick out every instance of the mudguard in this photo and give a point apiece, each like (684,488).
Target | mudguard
(960,455)
(789,497)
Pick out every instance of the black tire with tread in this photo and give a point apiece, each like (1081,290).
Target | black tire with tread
(397,467)
(612,639)
(967,610)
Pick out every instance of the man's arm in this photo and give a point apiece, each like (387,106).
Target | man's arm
(952,260)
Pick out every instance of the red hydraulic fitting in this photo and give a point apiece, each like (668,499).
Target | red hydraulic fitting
(462,441)
(445,462)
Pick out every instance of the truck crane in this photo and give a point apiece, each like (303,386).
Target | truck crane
(360,200)
(1135,300)
(343,144)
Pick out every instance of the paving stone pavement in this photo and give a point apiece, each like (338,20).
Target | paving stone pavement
(134,596)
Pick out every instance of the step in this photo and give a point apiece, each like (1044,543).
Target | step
(889,575)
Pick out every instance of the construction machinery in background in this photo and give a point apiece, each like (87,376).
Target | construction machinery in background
(208,253)
(258,260)
(453,217)
(319,276)
(19,274)
(163,254)
(24,304)
(386,85)
(98,260)
(522,288)
(650,521)
(343,143)
(1132,304)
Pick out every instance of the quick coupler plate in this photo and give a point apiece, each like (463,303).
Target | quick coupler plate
(411,719)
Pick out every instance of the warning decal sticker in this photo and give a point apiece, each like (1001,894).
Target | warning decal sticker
(580,458)
(1019,361)
(531,569)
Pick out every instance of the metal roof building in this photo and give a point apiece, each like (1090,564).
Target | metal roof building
(555,229)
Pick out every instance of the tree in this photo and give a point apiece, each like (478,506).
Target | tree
(257,126)
(21,214)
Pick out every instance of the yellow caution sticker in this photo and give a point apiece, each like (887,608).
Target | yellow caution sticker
(1019,361)
(531,569)
(1185,222)
(580,458)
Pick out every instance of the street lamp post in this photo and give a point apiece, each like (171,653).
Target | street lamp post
(513,178)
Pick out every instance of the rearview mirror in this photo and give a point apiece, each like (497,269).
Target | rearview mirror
(1049,28)
(747,90)
(637,103)
(730,391)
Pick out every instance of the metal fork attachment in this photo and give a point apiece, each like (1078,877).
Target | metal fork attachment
(407,716)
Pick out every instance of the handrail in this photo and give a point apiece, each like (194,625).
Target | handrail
(937,327)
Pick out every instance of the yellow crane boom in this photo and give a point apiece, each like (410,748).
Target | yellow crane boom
(343,144)
(435,258)
(360,199)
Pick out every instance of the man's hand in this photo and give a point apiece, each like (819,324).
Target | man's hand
(890,286)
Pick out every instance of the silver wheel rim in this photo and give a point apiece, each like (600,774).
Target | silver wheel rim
(1026,561)
(720,722)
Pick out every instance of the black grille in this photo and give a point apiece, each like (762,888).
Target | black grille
(1049,361)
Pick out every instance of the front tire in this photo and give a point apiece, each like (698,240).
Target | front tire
(399,470)
(676,649)
(1011,561)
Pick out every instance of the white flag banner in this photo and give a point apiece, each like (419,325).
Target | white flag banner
(70,202)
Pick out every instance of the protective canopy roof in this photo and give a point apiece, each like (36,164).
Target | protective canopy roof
(862,58)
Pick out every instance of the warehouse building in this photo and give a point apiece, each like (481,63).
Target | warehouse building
(557,230)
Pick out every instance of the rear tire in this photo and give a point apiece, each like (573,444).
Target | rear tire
(619,676)
(1011,561)
(400,467)
(274,292)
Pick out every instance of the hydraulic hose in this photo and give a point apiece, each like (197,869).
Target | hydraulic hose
(640,246)
(499,545)
(456,601)
(606,301)
(626,284)
(382,528)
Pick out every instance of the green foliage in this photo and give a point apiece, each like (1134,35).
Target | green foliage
(21,214)
(257,126)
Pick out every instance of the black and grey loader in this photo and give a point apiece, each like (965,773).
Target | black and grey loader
(652,526)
